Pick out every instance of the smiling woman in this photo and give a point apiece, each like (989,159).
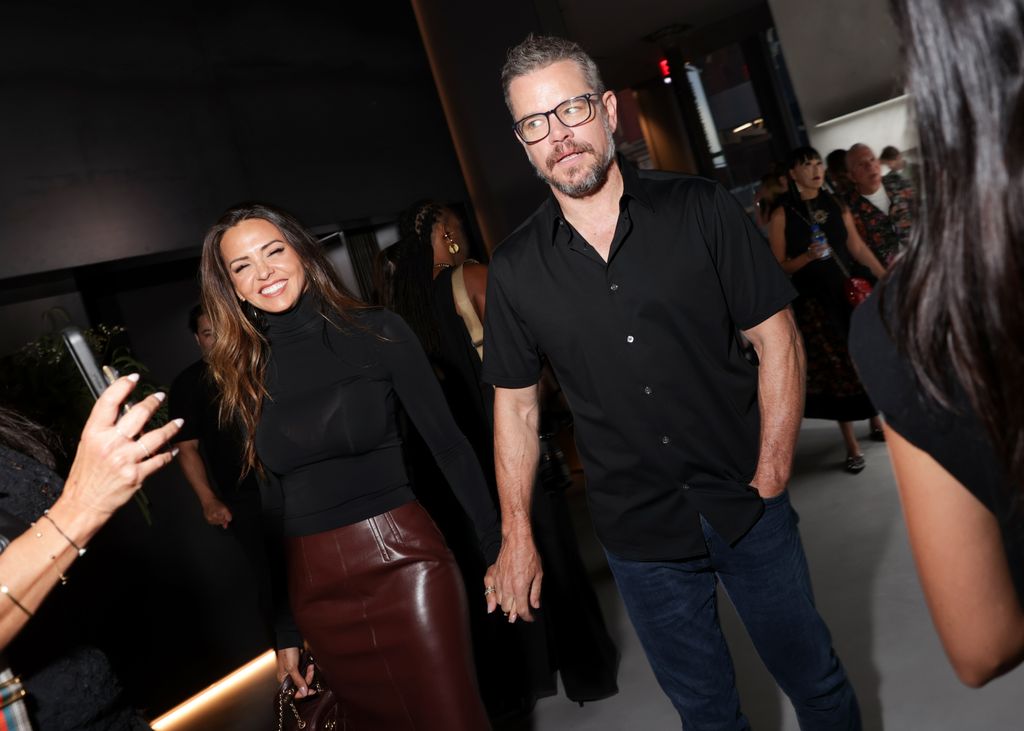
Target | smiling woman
(313,376)
(265,269)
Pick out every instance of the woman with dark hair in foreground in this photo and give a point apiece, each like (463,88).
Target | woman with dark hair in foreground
(940,345)
(315,377)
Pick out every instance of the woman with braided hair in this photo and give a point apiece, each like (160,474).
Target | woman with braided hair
(428,279)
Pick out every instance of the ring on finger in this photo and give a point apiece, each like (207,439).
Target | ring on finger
(145,448)
(490,590)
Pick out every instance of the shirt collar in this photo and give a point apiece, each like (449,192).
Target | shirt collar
(632,189)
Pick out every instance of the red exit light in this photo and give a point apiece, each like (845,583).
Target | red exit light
(663,65)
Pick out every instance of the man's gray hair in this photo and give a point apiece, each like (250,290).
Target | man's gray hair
(538,52)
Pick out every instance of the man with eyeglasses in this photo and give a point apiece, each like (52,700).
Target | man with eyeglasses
(641,288)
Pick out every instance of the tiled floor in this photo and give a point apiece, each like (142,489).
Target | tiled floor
(866,589)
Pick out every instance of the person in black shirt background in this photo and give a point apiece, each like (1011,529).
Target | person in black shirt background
(211,457)
(211,460)
(315,377)
(640,288)
(940,344)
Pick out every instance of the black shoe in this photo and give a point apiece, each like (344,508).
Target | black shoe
(877,435)
(854,464)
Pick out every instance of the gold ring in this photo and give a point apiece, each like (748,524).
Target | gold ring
(145,448)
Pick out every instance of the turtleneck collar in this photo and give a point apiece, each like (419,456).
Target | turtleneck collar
(302,316)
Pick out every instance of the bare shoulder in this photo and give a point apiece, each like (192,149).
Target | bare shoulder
(475,275)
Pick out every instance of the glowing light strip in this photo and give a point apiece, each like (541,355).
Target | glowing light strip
(196,703)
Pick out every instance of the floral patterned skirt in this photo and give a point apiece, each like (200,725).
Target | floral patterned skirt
(833,389)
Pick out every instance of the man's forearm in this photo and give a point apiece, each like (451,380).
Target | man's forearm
(781,400)
(516,454)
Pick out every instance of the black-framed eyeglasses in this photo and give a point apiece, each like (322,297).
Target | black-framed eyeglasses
(572,113)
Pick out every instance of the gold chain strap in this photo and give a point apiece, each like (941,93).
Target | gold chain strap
(294,709)
(291,704)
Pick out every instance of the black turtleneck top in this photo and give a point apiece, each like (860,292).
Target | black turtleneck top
(328,430)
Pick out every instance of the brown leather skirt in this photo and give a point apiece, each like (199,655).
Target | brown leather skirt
(383,609)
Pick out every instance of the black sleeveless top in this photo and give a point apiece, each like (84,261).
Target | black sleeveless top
(956,439)
(821,275)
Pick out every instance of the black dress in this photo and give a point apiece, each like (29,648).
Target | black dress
(71,684)
(956,439)
(822,313)
(516,664)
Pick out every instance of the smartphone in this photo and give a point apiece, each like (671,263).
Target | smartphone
(96,378)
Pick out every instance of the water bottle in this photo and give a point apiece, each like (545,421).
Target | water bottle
(819,237)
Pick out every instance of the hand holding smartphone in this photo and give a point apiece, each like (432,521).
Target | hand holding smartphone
(97,379)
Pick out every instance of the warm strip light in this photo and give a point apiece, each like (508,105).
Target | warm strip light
(222,686)
(742,127)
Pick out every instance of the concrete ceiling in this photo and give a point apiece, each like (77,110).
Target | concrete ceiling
(617,32)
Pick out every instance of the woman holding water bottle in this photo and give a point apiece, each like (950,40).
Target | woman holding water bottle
(813,236)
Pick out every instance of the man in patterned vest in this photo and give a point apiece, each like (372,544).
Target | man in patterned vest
(883,208)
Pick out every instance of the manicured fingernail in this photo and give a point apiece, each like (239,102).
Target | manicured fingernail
(133,377)
(179,422)
(159,395)
(174,452)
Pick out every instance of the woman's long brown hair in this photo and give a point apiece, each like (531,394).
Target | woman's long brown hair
(238,358)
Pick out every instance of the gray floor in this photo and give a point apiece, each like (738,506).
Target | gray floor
(866,589)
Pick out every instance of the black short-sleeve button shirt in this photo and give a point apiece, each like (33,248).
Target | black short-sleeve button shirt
(647,352)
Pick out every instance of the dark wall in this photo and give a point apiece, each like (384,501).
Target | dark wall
(126,131)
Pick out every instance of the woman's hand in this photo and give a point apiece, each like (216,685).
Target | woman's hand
(114,456)
(817,250)
(288,666)
(217,513)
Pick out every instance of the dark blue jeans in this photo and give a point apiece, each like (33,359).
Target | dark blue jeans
(673,607)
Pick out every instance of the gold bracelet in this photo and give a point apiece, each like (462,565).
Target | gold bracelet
(19,605)
(81,551)
(60,574)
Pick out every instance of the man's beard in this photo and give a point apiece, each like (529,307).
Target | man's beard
(594,177)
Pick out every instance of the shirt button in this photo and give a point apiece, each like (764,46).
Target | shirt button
(630,338)
(647,390)
(613,287)
(665,440)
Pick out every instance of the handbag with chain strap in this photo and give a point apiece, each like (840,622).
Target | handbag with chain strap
(317,712)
